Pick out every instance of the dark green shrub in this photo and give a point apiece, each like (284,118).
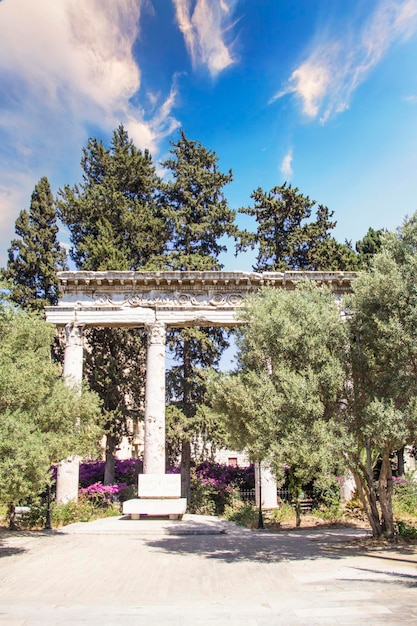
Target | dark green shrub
(405,497)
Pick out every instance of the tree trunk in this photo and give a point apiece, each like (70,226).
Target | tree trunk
(12,516)
(385,487)
(400,462)
(110,465)
(367,495)
(185,470)
(297,513)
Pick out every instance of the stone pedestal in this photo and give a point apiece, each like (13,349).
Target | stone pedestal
(268,485)
(159,496)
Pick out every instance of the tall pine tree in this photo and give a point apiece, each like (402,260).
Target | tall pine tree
(287,237)
(36,256)
(115,223)
(199,220)
(114,216)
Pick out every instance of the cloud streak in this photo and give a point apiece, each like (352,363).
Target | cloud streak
(286,165)
(67,67)
(75,57)
(327,79)
(204,27)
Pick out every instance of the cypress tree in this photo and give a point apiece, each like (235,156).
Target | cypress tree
(36,256)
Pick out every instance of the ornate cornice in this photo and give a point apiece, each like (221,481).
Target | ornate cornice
(137,282)
(173,298)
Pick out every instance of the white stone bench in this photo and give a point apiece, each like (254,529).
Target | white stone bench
(159,496)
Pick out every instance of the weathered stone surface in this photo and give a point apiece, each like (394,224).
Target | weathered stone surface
(173,298)
(68,472)
(154,506)
(157,486)
(154,449)
(268,487)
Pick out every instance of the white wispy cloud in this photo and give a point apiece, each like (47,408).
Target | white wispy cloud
(286,165)
(65,66)
(204,24)
(76,58)
(326,80)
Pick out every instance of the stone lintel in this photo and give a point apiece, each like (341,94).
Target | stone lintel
(178,299)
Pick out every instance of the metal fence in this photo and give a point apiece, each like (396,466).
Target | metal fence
(248,495)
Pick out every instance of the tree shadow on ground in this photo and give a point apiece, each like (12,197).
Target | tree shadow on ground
(10,537)
(275,548)
(10,551)
(399,578)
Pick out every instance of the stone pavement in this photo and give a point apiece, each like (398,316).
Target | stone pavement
(202,571)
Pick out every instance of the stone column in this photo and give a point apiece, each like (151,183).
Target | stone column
(69,469)
(73,358)
(268,487)
(347,487)
(154,452)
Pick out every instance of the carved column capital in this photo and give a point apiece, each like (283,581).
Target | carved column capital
(74,335)
(156,333)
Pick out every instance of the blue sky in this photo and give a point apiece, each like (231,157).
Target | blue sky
(320,93)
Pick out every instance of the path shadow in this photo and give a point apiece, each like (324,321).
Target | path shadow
(10,551)
(9,537)
(260,547)
(273,548)
(398,578)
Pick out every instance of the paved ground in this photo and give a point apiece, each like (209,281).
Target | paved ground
(199,572)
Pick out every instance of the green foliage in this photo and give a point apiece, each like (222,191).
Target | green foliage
(113,216)
(326,491)
(82,511)
(203,498)
(244,514)
(287,238)
(381,410)
(115,222)
(195,207)
(284,513)
(41,420)
(369,246)
(36,256)
(406,530)
(290,380)
(115,370)
(63,514)
(199,220)
(331,513)
(405,497)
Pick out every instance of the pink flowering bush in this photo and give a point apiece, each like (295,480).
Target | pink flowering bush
(102,495)
(126,471)
(213,486)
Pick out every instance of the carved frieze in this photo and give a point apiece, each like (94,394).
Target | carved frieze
(168,300)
